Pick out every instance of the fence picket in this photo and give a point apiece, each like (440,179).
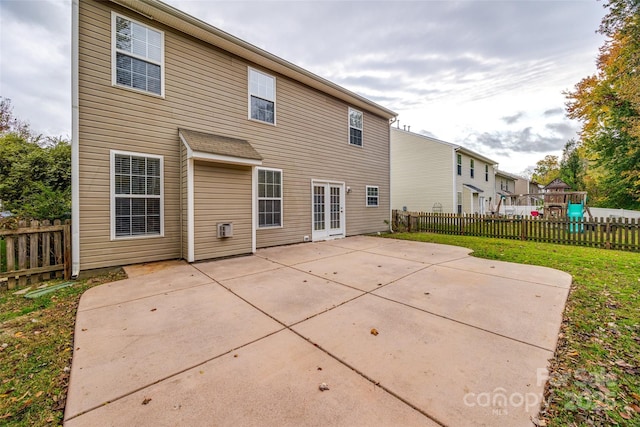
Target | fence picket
(30,245)
(608,233)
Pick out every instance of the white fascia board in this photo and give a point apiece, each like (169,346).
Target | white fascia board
(220,158)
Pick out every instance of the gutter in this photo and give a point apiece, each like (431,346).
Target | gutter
(75,149)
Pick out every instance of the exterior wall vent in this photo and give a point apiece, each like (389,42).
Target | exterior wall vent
(225,229)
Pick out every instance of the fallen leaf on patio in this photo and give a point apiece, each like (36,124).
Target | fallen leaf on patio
(374,331)
(153,309)
(323,387)
(146,401)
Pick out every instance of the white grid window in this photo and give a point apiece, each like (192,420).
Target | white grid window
(355,127)
(372,196)
(269,198)
(138,55)
(262,97)
(471,168)
(137,198)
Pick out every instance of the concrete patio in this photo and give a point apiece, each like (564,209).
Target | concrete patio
(248,341)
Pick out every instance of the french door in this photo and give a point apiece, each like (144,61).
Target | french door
(328,210)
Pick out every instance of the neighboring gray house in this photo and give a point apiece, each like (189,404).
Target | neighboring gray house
(430,175)
(191,143)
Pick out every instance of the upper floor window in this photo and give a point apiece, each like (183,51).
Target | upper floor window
(459,164)
(269,198)
(262,96)
(137,199)
(472,167)
(486,173)
(372,196)
(355,127)
(138,56)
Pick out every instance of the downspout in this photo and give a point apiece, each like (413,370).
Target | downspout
(75,149)
(455,178)
(391,122)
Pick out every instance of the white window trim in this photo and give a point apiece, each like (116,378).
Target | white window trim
(275,94)
(361,129)
(114,51)
(366,199)
(281,198)
(112,179)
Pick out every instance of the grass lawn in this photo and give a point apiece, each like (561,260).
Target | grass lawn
(595,373)
(36,341)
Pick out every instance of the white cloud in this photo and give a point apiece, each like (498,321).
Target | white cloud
(453,69)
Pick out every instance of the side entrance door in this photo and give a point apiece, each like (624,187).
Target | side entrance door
(328,211)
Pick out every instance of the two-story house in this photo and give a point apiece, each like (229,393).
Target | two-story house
(191,143)
(430,175)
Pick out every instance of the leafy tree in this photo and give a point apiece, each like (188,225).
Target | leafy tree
(546,170)
(608,104)
(573,166)
(35,172)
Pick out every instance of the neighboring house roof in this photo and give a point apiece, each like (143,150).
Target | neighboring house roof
(455,147)
(508,175)
(207,146)
(473,188)
(175,18)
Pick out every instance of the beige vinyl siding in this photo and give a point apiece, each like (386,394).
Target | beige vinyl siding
(477,181)
(222,194)
(206,90)
(421,172)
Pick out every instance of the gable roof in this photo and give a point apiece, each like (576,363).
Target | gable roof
(172,17)
(508,175)
(557,184)
(455,147)
(207,146)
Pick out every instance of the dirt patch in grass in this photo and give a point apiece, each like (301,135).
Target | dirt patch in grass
(36,346)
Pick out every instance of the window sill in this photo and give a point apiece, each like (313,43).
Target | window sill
(263,122)
(143,236)
(140,91)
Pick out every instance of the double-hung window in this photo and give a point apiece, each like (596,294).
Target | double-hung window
(486,173)
(355,127)
(471,168)
(262,97)
(137,196)
(269,198)
(138,56)
(372,196)
(459,157)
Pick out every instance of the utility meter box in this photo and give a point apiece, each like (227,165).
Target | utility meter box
(225,229)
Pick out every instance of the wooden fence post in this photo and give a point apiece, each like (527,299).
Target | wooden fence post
(67,249)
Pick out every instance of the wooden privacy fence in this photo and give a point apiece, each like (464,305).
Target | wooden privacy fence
(34,252)
(607,233)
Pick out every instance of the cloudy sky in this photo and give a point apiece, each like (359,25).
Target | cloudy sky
(488,75)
